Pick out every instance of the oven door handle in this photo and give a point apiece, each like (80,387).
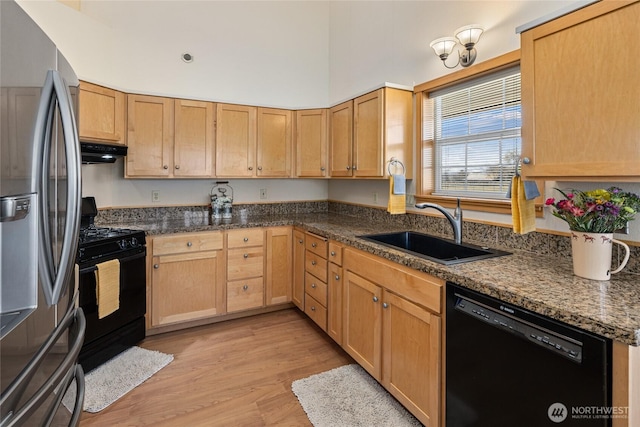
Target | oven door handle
(122,260)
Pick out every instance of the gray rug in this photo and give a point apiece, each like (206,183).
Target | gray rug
(117,377)
(349,397)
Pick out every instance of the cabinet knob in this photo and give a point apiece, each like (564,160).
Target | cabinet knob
(156,266)
(250,168)
(375,299)
(385,305)
(337,277)
(526,160)
(245,287)
(313,308)
(348,168)
(246,239)
(322,168)
(333,253)
(165,167)
(177,166)
(313,285)
(246,255)
(301,241)
(313,245)
(354,167)
(313,262)
(189,244)
(259,168)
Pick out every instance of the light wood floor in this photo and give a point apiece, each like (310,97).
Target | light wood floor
(235,373)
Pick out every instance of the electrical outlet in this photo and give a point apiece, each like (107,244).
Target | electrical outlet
(263,193)
(155,196)
(375,197)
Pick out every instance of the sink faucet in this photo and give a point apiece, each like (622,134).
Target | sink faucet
(455,221)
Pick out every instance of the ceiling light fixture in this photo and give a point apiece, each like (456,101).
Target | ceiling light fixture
(467,36)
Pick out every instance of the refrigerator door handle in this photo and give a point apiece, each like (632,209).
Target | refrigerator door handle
(54,282)
(75,322)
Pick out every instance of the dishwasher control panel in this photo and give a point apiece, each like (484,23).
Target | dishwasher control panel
(563,346)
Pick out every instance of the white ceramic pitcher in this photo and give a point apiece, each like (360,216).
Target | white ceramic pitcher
(591,254)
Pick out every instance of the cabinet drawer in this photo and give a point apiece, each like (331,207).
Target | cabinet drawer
(316,288)
(245,262)
(315,265)
(245,237)
(245,294)
(335,253)
(187,242)
(315,311)
(316,244)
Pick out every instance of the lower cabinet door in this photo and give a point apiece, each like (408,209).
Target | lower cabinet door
(411,356)
(245,294)
(362,322)
(186,287)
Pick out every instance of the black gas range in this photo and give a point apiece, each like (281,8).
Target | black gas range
(109,335)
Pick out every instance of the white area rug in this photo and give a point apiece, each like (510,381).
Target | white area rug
(115,378)
(349,397)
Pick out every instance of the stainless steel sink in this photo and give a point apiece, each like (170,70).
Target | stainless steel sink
(433,248)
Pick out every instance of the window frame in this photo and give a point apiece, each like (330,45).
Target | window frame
(425,187)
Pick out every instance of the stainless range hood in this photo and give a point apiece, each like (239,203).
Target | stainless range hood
(101,153)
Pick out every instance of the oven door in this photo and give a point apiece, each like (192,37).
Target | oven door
(132,294)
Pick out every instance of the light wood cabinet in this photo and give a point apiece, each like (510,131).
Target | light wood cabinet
(279,265)
(335,290)
(298,268)
(341,139)
(311,143)
(245,269)
(187,277)
(315,279)
(253,142)
(392,328)
(381,126)
(275,134)
(169,137)
(581,121)
(101,114)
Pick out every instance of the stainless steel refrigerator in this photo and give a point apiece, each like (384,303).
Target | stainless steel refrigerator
(41,328)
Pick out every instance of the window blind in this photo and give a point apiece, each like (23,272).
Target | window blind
(476,133)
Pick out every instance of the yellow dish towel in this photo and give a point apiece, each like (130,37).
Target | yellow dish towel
(397,204)
(108,287)
(523,211)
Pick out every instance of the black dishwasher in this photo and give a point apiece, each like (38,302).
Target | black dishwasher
(506,367)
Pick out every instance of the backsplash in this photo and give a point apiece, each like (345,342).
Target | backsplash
(478,233)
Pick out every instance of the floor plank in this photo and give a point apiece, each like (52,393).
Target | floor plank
(235,373)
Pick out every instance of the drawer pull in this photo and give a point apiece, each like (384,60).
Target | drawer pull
(333,253)
(385,305)
(246,256)
(313,245)
(337,277)
(313,262)
(245,287)
(246,239)
(189,244)
(177,166)
(165,167)
(313,308)
(313,285)
(300,241)
(156,266)
(375,299)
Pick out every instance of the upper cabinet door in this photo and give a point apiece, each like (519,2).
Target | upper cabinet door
(341,140)
(580,113)
(311,143)
(149,136)
(235,140)
(273,156)
(102,114)
(368,121)
(194,138)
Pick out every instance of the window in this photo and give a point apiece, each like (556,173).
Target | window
(476,135)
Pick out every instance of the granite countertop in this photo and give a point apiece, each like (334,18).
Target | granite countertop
(541,284)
